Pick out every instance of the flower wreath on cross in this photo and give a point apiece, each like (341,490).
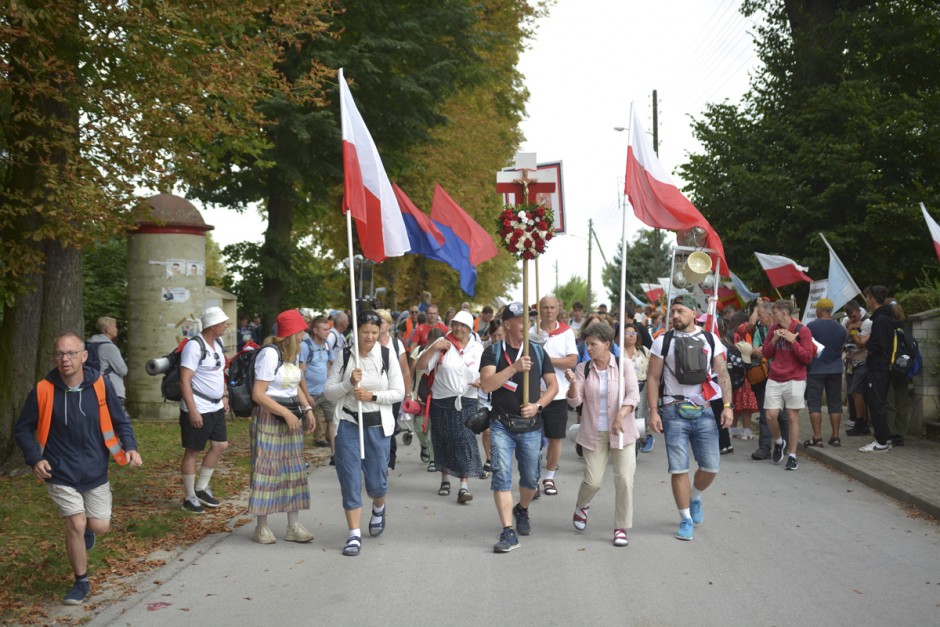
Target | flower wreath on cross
(525,229)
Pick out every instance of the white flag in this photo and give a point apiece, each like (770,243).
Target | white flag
(841,288)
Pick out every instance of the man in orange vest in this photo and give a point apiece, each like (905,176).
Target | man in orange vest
(71,424)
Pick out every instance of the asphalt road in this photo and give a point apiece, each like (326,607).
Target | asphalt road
(810,547)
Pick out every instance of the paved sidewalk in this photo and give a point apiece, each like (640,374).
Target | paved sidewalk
(910,474)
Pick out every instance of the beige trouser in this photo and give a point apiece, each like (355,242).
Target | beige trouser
(595,464)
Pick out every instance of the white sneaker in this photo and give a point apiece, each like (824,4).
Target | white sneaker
(874,447)
(297,533)
(263,535)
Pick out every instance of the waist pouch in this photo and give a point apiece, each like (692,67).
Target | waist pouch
(369,418)
(518,424)
(689,411)
(293,407)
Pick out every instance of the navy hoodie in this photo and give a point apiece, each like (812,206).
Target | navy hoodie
(75,447)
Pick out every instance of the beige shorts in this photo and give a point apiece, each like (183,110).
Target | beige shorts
(785,394)
(93,503)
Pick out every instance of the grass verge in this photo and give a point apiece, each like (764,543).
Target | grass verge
(34,569)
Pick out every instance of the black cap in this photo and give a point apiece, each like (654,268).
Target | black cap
(513,310)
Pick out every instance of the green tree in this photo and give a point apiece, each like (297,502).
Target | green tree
(648,258)
(574,291)
(98,99)
(836,135)
(403,60)
(104,283)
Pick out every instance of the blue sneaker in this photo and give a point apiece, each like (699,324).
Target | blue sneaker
(78,593)
(89,539)
(522,520)
(648,444)
(695,508)
(508,540)
(685,529)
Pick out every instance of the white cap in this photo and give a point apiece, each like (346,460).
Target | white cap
(463,317)
(212,317)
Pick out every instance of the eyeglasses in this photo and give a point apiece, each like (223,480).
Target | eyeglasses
(414,311)
(629,333)
(59,355)
(218,360)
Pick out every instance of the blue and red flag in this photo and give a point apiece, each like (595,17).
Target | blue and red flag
(466,243)
(423,236)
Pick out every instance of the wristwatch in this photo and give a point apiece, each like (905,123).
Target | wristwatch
(729,406)
(374,398)
(539,408)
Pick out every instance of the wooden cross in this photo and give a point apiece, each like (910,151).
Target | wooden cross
(524,180)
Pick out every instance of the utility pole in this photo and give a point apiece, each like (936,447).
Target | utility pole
(587,304)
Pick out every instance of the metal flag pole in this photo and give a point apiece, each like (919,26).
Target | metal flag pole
(355,331)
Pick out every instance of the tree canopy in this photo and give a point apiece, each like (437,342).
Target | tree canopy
(838,134)
(647,260)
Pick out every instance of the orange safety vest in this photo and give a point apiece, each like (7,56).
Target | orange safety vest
(44,396)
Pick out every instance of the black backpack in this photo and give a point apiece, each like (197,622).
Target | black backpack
(170,385)
(737,370)
(94,358)
(905,354)
(241,379)
(692,364)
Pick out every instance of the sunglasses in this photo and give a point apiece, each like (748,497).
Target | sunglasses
(370,318)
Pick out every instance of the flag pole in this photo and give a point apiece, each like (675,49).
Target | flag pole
(538,312)
(355,331)
(623,286)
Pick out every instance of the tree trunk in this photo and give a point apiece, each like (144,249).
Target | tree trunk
(276,249)
(52,300)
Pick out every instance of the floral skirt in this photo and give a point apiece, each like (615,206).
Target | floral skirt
(455,446)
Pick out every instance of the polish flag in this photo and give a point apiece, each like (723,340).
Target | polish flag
(934,229)
(782,270)
(653,291)
(368,194)
(656,199)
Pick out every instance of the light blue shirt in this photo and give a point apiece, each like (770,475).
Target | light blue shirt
(317,358)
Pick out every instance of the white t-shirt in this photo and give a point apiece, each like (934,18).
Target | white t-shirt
(560,346)
(457,371)
(337,343)
(602,422)
(673,387)
(208,374)
(283,381)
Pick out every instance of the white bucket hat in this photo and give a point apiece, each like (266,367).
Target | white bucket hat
(463,317)
(212,317)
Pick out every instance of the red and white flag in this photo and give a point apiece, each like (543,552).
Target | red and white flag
(653,291)
(368,194)
(934,229)
(656,200)
(782,270)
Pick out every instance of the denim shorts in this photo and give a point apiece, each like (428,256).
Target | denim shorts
(701,432)
(351,470)
(526,446)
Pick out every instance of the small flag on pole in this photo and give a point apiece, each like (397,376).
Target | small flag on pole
(841,288)
(782,270)
(934,230)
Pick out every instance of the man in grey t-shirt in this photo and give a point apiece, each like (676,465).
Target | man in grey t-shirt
(109,357)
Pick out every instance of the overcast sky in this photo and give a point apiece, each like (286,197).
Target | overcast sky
(590,58)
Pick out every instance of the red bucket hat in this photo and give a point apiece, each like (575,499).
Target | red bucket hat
(290,322)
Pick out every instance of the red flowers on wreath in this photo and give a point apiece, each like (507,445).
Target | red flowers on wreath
(525,229)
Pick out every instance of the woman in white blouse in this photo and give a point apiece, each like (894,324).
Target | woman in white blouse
(374,386)
(278,474)
(455,361)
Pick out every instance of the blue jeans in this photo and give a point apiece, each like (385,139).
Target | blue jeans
(526,446)
(701,433)
(351,470)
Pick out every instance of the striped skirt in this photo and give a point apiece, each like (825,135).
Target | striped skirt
(278,475)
